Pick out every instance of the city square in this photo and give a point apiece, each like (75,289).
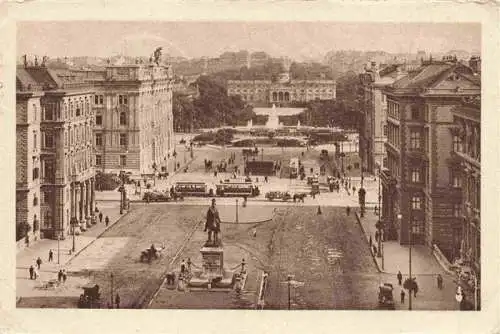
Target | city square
(249,181)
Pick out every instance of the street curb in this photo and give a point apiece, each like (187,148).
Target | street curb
(366,239)
(97,237)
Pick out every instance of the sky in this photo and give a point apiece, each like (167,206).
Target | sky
(298,40)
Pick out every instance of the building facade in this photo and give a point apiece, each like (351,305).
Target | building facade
(55,174)
(420,192)
(373,127)
(133,119)
(465,166)
(283,91)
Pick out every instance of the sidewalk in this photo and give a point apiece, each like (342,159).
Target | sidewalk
(425,268)
(48,270)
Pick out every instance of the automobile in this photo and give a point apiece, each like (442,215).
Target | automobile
(156,196)
(283,195)
(386,297)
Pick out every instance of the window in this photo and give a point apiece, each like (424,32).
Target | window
(457,143)
(98,139)
(98,120)
(415,114)
(123,118)
(457,210)
(456,182)
(36,173)
(98,160)
(416,202)
(99,99)
(123,160)
(34,112)
(49,140)
(415,175)
(414,139)
(417,227)
(385,130)
(122,99)
(123,139)
(35,200)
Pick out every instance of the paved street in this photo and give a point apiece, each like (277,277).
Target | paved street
(328,252)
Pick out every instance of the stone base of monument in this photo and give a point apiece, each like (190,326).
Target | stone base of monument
(213,276)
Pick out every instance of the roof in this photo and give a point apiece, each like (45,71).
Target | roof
(423,77)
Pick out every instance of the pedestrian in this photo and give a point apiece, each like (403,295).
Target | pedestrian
(402,296)
(51,255)
(60,275)
(64,276)
(36,274)
(117,300)
(100,217)
(38,262)
(107,221)
(415,288)
(348,210)
(189,264)
(440,281)
(32,271)
(183,266)
(370,241)
(400,277)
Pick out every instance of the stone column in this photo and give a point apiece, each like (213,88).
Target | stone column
(87,199)
(81,200)
(92,196)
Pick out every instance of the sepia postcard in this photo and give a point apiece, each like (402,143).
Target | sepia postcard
(212,168)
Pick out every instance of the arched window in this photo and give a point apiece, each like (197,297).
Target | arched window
(275,96)
(123,118)
(36,224)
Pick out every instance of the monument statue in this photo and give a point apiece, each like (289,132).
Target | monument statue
(212,225)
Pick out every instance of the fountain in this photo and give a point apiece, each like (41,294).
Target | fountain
(273,119)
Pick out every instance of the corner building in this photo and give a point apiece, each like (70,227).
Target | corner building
(55,174)
(133,119)
(418,183)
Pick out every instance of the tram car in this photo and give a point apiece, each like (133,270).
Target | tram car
(198,189)
(237,189)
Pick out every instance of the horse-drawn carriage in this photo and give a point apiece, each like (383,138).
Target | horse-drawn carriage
(385,297)
(151,253)
(90,298)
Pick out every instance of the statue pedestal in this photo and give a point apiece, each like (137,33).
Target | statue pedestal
(213,261)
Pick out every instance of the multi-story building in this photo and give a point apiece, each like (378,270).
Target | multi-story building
(55,174)
(282,91)
(465,170)
(133,119)
(420,191)
(372,127)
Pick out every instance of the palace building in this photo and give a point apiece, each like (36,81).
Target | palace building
(283,91)
(133,119)
(422,195)
(54,153)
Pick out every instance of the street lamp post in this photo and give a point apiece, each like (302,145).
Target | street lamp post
(289,281)
(73,227)
(236,211)
(58,247)
(400,216)
(380,245)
